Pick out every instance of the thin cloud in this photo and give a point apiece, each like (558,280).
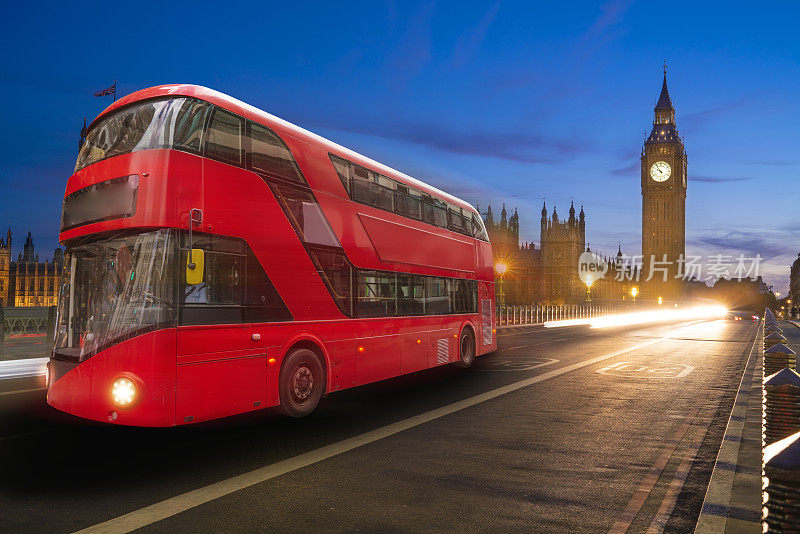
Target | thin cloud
(627,170)
(469,44)
(600,32)
(698,118)
(773,163)
(718,179)
(414,48)
(516,146)
(742,242)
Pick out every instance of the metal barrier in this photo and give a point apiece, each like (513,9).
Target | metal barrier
(780,436)
(26,332)
(781,486)
(781,405)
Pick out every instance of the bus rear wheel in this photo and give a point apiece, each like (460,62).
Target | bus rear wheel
(466,348)
(301,383)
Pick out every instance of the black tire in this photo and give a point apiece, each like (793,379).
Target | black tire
(466,348)
(301,383)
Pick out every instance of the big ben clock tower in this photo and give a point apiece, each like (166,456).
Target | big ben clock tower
(663,204)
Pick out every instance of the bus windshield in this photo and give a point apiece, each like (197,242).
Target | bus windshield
(175,123)
(113,289)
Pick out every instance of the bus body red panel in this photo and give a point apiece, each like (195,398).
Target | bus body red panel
(146,359)
(221,370)
(391,242)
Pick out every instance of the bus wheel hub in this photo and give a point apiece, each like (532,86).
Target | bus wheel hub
(303,383)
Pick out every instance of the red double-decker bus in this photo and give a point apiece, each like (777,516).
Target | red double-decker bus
(220,260)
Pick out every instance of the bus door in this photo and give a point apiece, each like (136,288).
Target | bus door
(221,361)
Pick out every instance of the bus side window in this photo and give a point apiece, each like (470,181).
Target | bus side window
(436,301)
(190,122)
(224,141)
(410,295)
(342,167)
(269,154)
(363,186)
(460,292)
(219,298)
(408,201)
(376,294)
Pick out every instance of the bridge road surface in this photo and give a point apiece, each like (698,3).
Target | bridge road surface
(602,430)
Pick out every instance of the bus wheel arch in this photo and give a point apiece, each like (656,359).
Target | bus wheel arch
(467,346)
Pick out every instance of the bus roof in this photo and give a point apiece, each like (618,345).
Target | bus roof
(286,127)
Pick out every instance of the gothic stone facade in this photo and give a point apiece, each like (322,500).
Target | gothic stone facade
(545,275)
(28,281)
(519,283)
(5,267)
(562,244)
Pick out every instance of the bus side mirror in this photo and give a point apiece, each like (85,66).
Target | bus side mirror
(195,263)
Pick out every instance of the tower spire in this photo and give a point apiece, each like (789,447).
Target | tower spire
(664,103)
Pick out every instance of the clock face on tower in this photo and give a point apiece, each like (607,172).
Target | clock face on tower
(660,171)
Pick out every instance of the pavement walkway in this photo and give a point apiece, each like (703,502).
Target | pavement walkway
(733,499)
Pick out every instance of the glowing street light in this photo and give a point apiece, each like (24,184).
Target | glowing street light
(660,301)
(634,292)
(589,281)
(501,268)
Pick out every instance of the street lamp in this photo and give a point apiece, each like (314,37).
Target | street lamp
(589,283)
(500,268)
(660,301)
(634,292)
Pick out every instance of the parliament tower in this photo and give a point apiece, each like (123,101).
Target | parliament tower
(663,204)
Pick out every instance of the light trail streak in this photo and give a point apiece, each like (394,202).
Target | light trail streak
(654,316)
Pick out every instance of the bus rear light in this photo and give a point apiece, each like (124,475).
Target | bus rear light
(360,349)
(419,341)
(123,392)
(272,361)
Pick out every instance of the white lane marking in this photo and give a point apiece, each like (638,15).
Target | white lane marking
(4,438)
(191,499)
(22,368)
(516,364)
(21,391)
(638,370)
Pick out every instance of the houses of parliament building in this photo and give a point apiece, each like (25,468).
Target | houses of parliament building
(28,281)
(549,274)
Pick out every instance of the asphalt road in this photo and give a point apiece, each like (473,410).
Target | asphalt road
(561,430)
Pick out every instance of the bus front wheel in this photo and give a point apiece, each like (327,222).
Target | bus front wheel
(301,383)
(466,348)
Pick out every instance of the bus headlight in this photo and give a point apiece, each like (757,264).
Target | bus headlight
(123,392)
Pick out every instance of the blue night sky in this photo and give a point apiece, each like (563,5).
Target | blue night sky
(498,101)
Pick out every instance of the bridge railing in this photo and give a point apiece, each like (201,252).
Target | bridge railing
(26,332)
(522,315)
